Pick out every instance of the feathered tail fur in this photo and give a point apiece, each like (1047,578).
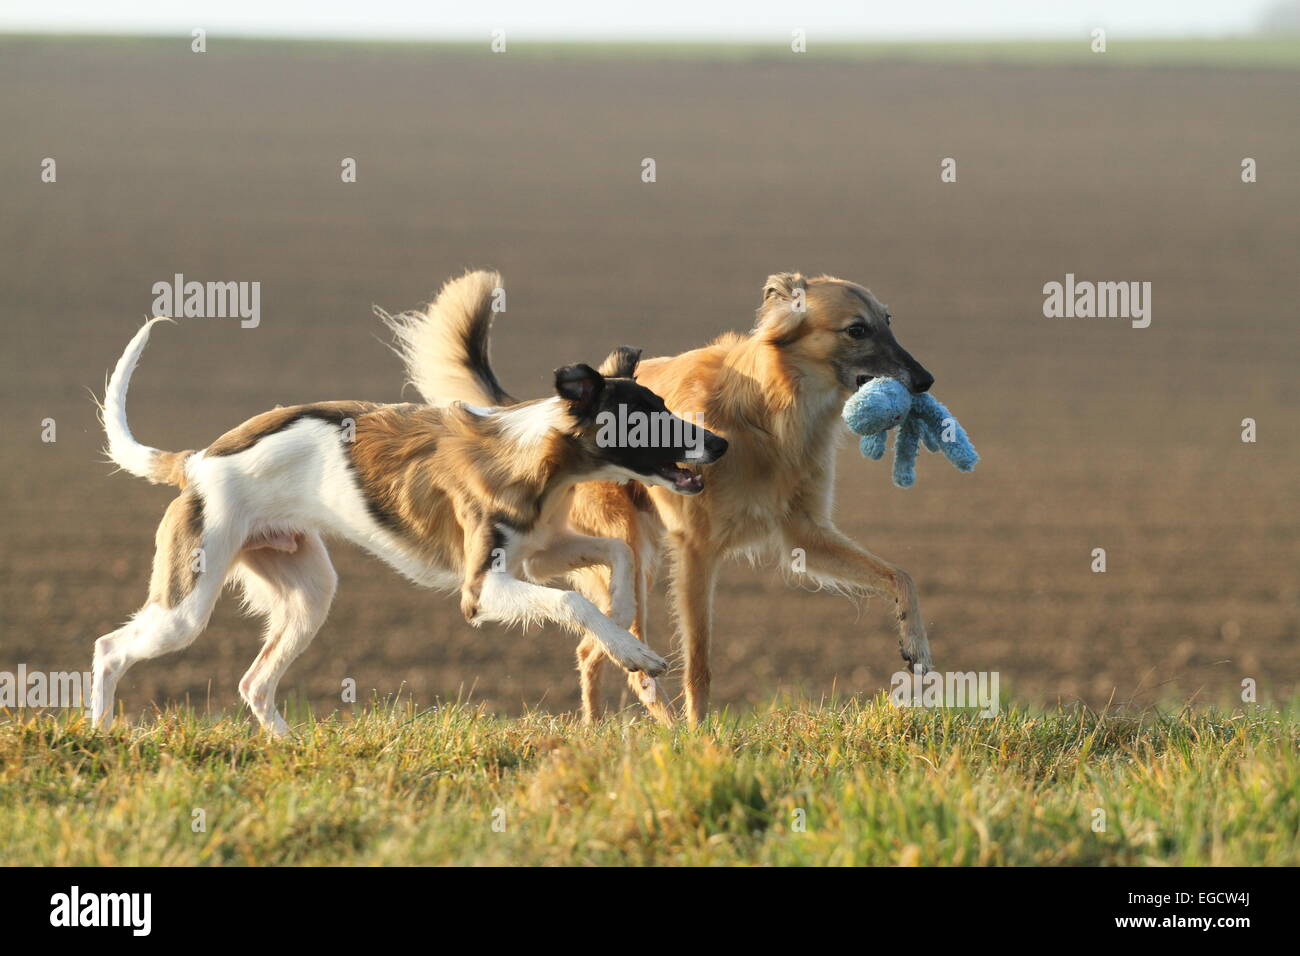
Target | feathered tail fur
(445,347)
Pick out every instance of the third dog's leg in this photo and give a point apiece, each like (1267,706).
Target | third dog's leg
(833,556)
(694,576)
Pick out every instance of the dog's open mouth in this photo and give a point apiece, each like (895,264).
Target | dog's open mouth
(864,379)
(683,480)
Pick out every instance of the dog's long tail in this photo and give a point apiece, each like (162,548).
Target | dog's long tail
(445,347)
(160,467)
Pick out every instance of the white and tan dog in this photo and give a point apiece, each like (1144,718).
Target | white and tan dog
(455,497)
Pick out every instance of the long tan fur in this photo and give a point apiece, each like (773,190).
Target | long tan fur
(445,347)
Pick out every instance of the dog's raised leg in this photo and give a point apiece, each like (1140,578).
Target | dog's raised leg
(294,591)
(609,558)
(511,601)
(834,557)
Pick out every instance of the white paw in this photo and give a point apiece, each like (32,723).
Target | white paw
(632,655)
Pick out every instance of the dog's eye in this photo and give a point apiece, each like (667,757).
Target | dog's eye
(856,331)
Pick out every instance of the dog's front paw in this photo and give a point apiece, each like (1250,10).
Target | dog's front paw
(634,656)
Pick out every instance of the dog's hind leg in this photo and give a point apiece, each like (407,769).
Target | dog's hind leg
(189,568)
(591,661)
(152,632)
(294,591)
(591,657)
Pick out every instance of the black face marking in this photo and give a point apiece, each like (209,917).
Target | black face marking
(581,386)
(633,429)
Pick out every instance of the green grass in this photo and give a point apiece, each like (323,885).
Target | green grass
(874,784)
(1262,52)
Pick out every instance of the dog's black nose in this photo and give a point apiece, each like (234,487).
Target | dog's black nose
(921,382)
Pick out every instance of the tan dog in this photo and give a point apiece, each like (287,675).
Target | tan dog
(775,394)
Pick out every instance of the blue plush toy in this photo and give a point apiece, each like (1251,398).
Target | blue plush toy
(883,403)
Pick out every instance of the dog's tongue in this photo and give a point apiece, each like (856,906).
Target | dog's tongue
(683,479)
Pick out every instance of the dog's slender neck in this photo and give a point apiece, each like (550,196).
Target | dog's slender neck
(776,395)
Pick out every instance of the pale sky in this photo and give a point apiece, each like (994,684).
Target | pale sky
(752,20)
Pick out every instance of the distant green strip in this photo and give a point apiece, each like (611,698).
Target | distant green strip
(1282,52)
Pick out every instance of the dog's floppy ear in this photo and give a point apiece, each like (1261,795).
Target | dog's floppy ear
(580,386)
(621,363)
(785,305)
